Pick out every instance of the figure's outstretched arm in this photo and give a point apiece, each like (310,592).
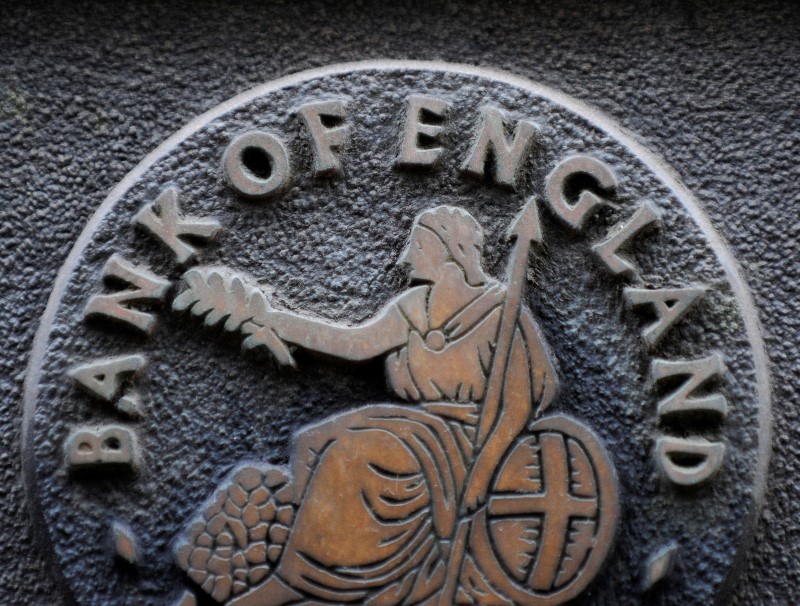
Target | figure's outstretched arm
(222,295)
(386,331)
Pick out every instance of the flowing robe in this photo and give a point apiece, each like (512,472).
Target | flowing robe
(378,488)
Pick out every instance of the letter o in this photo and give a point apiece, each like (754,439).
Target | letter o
(256,164)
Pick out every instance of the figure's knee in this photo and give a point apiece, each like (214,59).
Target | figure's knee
(352,437)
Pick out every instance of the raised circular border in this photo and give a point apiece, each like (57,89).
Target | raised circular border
(592,116)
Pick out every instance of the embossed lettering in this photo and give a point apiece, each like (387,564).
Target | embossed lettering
(492,140)
(97,446)
(608,250)
(104,378)
(148,287)
(697,372)
(164,220)
(423,127)
(325,122)
(574,214)
(256,164)
(669,304)
(689,461)
(458,476)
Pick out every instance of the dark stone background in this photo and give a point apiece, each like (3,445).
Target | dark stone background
(86,90)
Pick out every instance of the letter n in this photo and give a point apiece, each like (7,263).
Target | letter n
(147,287)
(697,372)
(508,157)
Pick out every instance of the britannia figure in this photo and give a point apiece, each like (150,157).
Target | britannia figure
(378,501)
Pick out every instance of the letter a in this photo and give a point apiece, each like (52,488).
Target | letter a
(669,304)
(103,378)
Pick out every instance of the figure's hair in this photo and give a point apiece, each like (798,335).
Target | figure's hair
(462,236)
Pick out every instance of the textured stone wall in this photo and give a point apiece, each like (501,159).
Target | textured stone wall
(86,91)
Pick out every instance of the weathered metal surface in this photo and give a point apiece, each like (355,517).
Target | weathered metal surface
(665,564)
(383,501)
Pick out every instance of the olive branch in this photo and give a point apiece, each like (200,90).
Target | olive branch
(220,294)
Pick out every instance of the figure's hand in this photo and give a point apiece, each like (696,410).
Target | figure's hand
(266,318)
(221,295)
(265,334)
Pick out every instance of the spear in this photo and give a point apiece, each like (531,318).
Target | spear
(524,230)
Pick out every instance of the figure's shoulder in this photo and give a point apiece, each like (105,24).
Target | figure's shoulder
(494,292)
(480,311)
(413,305)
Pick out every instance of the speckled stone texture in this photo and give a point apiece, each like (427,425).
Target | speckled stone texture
(86,92)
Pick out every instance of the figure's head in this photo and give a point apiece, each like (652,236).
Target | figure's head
(441,235)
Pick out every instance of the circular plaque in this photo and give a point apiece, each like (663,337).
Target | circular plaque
(398,333)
